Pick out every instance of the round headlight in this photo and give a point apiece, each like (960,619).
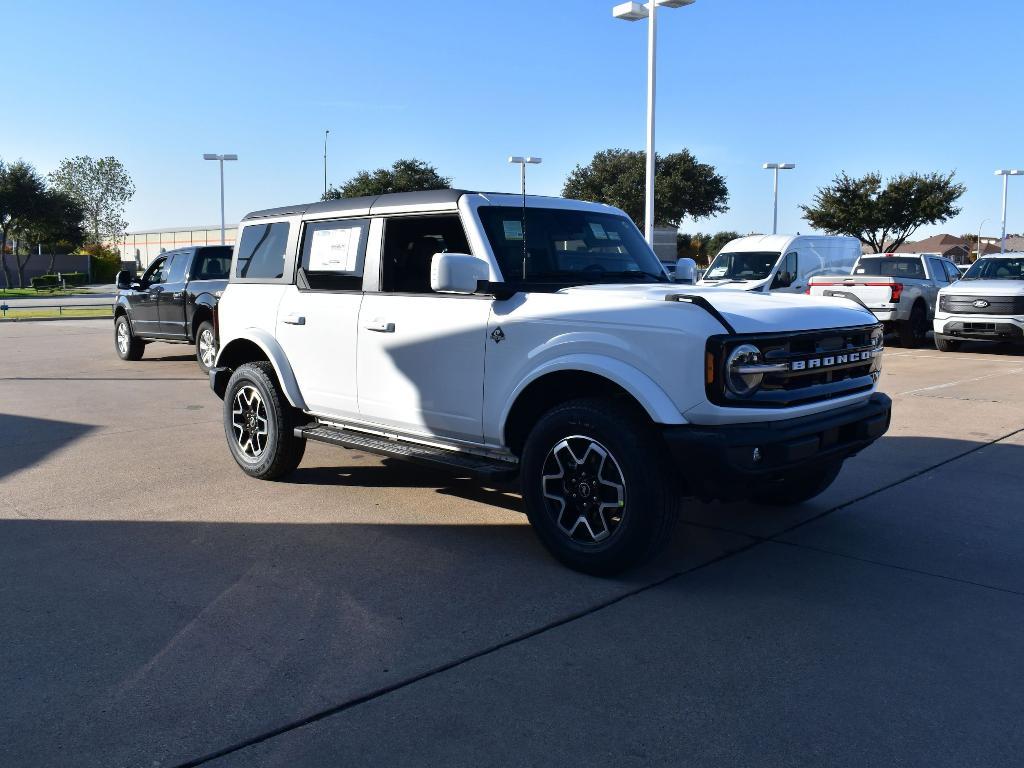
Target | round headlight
(877,337)
(740,382)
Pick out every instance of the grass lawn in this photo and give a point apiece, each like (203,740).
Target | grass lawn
(21,313)
(31,293)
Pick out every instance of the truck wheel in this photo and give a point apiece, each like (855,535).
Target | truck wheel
(797,487)
(946,345)
(128,347)
(206,346)
(598,491)
(913,332)
(259,423)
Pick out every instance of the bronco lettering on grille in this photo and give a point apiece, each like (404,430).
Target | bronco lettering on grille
(830,361)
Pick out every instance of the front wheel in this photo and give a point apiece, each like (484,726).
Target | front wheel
(206,346)
(946,345)
(597,489)
(259,423)
(797,487)
(128,347)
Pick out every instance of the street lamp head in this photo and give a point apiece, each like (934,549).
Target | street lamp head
(779,166)
(219,157)
(1009,172)
(637,11)
(527,160)
(210,157)
(230,157)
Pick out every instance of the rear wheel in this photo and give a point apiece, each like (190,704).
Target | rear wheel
(597,489)
(259,423)
(206,346)
(914,331)
(798,487)
(128,347)
(944,344)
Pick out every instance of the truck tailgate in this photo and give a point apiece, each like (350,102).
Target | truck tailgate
(874,292)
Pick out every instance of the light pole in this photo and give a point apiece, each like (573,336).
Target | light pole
(327,131)
(979,238)
(1006,174)
(635,12)
(221,159)
(775,194)
(523,162)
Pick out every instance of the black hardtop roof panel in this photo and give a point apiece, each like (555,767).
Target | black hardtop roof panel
(431,197)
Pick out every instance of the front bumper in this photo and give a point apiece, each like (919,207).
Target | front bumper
(981,327)
(720,462)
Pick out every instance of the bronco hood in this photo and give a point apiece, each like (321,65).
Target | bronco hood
(747,312)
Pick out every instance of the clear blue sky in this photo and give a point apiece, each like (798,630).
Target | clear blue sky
(889,85)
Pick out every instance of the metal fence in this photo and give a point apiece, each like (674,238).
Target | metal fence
(61,308)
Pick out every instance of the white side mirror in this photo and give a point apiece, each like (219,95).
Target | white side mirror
(457,273)
(686,271)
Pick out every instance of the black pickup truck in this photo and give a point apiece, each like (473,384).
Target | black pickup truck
(173,301)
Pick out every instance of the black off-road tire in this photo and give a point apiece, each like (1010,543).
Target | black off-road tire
(798,487)
(913,332)
(944,344)
(127,346)
(278,452)
(205,334)
(647,505)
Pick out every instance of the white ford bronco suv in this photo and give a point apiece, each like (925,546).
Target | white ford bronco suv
(536,339)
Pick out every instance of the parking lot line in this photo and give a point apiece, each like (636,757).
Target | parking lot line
(961,381)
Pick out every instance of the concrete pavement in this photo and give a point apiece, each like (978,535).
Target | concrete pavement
(161,609)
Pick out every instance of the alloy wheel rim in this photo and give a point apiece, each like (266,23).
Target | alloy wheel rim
(122,338)
(584,489)
(207,348)
(249,422)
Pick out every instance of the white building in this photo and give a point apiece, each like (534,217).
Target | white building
(144,245)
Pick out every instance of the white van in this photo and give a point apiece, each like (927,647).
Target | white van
(781,263)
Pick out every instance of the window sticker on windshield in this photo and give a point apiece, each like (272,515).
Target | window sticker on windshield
(513,229)
(598,230)
(334,250)
(614,235)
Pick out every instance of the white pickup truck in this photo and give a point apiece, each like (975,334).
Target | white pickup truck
(900,289)
(542,341)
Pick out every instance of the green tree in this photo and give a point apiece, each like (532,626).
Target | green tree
(102,187)
(702,247)
(22,194)
(682,186)
(410,175)
(56,226)
(884,218)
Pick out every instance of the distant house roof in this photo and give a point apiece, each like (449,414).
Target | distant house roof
(934,244)
(1014,243)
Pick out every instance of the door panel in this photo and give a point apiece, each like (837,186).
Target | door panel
(144,304)
(172,298)
(421,363)
(317,331)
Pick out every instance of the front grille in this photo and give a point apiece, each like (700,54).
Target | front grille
(994,305)
(821,365)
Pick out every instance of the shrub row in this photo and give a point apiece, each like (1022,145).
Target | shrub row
(49,282)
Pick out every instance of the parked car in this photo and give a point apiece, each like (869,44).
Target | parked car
(175,300)
(901,289)
(986,305)
(780,263)
(422,326)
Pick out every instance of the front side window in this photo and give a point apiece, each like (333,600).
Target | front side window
(891,266)
(786,275)
(742,266)
(261,251)
(568,247)
(155,274)
(409,247)
(333,254)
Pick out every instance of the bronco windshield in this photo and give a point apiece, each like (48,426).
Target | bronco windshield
(568,247)
(755,265)
(996,269)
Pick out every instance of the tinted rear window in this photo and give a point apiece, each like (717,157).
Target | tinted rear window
(212,263)
(261,251)
(891,266)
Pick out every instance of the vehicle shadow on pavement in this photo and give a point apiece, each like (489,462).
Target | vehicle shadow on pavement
(399,474)
(25,441)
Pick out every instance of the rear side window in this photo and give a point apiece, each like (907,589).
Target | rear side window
(261,251)
(176,267)
(212,264)
(333,253)
(891,266)
(938,271)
